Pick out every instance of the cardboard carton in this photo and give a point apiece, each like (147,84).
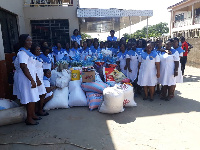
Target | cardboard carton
(88,76)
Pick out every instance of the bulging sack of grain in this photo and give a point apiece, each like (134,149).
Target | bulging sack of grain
(112,101)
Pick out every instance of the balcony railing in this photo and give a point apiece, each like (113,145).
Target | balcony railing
(197,20)
(47,3)
(186,22)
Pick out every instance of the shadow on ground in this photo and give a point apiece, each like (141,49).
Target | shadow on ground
(191,78)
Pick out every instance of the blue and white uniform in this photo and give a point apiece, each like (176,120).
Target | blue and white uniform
(133,64)
(46,61)
(95,51)
(167,67)
(22,85)
(77,38)
(73,52)
(139,50)
(84,53)
(47,84)
(147,73)
(110,38)
(59,54)
(179,78)
(121,57)
(40,74)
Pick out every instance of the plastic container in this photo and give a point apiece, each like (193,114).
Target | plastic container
(75,75)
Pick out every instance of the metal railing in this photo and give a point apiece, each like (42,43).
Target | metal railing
(47,3)
(197,20)
(186,22)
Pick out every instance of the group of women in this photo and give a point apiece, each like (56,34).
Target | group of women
(147,64)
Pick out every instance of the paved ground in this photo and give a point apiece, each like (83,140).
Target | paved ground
(173,125)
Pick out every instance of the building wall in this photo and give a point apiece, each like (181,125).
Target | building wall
(194,55)
(55,12)
(16,7)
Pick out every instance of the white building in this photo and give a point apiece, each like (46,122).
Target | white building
(185,18)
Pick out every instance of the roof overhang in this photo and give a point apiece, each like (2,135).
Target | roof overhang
(104,20)
(177,4)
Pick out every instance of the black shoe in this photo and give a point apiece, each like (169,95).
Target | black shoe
(163,98)
(28,123)
(44,114)
(39,118)
(158,92)
(145,98)
(151,100)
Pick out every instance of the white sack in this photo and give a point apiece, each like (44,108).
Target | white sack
(76,96)
(128,95)
(63,79)
(6,103)
(59,100)
(54,76)
(74,84)
(113,101)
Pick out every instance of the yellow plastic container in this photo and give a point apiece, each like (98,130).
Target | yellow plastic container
(75,75)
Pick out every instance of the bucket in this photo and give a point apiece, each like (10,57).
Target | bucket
(75,75)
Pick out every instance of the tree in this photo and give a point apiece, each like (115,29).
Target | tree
(153,31)
(85,36)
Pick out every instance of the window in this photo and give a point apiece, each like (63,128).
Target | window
(9,30)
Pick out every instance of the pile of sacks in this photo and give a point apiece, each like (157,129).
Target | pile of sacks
(94,93)
(116,98)
(60,95)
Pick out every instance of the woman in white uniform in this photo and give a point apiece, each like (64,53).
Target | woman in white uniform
(59,52)
(75,50)
(179,78)
(121,59)
(26,80)
(35,49)
(132,62)
(84,52)
(47,63)
(149,71)
(169,62)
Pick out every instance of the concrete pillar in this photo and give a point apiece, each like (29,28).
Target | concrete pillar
(171,23)
(192,14)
